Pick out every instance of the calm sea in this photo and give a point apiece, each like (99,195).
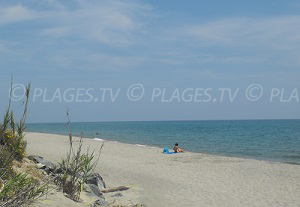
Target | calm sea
(276,140)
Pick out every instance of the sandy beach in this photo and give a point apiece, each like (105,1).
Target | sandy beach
(187,179)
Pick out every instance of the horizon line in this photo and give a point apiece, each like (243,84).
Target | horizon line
(166,120)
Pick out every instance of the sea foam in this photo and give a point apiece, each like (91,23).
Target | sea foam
(98,139)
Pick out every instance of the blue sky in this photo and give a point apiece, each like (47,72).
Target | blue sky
(159,44)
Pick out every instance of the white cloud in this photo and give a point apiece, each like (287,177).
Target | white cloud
(78,35)
(15,13)
(3,47)
(123,25)
(282,33)
(264,41)
(89,61)
(56,31)
(112,23)
(6,46)
(113,62)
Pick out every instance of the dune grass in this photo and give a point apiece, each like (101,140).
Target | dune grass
(16,189)
(76,166)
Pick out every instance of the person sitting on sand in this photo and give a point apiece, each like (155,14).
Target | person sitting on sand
(177,149)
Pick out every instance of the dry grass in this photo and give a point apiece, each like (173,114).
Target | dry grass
(29,168)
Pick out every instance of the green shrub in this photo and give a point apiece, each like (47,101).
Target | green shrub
(14,144)
(20,190)
(15,188)
(76,167)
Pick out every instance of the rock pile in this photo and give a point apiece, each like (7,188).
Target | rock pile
(94,186)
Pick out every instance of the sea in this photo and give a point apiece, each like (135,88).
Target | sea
(273,140)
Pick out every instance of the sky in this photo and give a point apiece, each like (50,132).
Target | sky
(151,60)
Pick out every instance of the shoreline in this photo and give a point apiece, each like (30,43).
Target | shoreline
(183,179)
(152,146)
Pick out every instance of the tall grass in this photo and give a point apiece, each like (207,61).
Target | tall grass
(76,167)
(15,188)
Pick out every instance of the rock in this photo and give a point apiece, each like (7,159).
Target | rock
(44,173)
(40,166)
(58,170)
(117,195)
(93,189)
(48,166)
(94,178)
(139,205)
(25,159)
(36,158)
(100,202)
(48,170)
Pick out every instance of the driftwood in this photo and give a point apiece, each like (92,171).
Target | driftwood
(109,190)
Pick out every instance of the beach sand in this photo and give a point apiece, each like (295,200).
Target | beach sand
(186,179)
